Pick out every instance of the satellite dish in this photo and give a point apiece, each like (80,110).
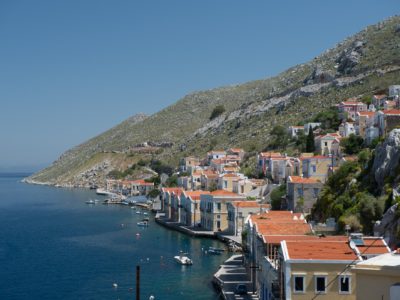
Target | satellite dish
(352,245)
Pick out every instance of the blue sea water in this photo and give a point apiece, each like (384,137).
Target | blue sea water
(54,246)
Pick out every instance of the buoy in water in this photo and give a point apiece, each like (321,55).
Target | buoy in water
(115,285)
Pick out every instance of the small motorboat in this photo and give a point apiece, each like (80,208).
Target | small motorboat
(183,259)
(90,201)
(213,251)
(216,249)
(143,223)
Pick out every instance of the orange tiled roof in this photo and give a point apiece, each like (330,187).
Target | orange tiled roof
(223,193)
(245,204)
(320,250)
(195,195)
(230,175)
(373,245)
(276,239)
(367,113)
(174,190)
(287,228)
(236,150)
(380,96)
(142,182)
(298,179)
(351,102)
(391,112)
(270,154)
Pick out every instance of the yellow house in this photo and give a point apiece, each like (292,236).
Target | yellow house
(214,210)
(378,277)
(225,181)
(320,269)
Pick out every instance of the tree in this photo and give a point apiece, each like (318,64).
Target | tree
(276,197)
(310,144)
(217,111)
(352,144)
(279,137)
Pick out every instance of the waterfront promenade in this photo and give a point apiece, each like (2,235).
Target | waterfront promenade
(231,273)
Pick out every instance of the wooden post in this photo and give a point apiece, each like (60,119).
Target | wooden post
(137,282)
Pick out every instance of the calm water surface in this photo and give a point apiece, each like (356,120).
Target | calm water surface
(54,246)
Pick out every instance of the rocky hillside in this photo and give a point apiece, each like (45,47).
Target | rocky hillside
(360,65)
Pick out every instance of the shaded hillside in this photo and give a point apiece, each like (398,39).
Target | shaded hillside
(360,65)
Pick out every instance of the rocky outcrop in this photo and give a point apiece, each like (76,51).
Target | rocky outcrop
(387,157)
(350,57)
(389,226)
(319,76)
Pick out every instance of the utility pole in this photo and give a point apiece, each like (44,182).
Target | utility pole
(137,282)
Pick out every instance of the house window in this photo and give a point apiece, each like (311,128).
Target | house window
(225,184)
(219,206)
(320,284)
(298,284)
(344,284)
(315,192)
(314,168)
(300,192)
(218,216)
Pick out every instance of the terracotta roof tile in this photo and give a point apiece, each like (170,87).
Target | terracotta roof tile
(223,193)
(246,204)
(298,179)
(321,250)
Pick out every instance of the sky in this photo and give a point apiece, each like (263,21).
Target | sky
(70,70)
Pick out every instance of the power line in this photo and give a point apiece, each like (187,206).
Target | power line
(344,270)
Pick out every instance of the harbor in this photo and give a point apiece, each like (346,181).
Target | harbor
(67,241)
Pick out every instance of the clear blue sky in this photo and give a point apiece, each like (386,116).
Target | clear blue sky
(70,70)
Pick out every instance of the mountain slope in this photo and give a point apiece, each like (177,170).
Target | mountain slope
(360,65)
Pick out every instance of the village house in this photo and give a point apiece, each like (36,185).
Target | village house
(323,266)
(277,166)
(388,120)
(129,187)
(226,181)
(195,179)
(349,108)
(364,119)
(394,90)
(215,154)
(262,256)
(294,130)
(379,100)
(378,277)
(185,182)
(237,152)
(389,104)
(317,166)
(214,211)
(347,128)
(238,212)
(328,144)
(168,197)
(190,212)
(312,125)
(209,180)
(302,193)
(140,187)
(188,164)
(243,186)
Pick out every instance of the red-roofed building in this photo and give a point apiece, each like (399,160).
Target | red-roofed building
(387,120)
(238,212)
(328,144)
(379,100)
(170,196)
(364,120)
(190,203)
(309,268)
(316,167)
(302,193)
(350,108)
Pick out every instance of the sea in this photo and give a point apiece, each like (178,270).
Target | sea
(55,246)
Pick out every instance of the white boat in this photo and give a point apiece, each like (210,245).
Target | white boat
(182,259)
(143,224)
(104,192)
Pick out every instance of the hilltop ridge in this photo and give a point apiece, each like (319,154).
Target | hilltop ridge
(360,65)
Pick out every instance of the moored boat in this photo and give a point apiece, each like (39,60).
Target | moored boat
(182,259)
